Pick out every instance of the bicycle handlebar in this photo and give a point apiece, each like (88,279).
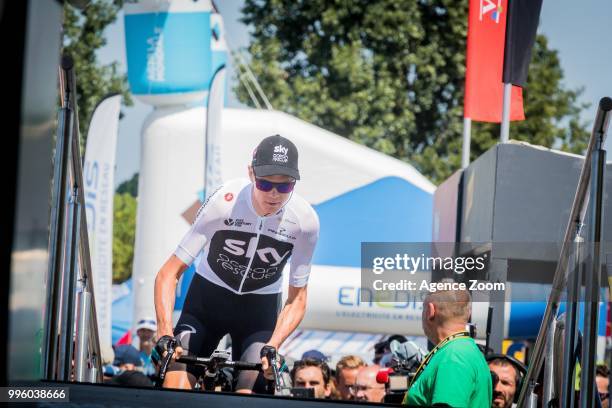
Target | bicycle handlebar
(206,362)
(219,360)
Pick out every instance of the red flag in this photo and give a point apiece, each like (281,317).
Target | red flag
(125,339)
(484,90)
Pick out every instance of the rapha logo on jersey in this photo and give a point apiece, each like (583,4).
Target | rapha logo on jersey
(280,154)
(236,222)
(489,7)
(205,204)
(236,254)
(228,196)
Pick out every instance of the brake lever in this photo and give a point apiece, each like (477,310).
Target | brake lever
(271,356)
(165,361)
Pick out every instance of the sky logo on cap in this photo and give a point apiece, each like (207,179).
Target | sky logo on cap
(280,154)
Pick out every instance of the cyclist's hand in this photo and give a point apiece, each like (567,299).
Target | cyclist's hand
(163,346)
(267,351)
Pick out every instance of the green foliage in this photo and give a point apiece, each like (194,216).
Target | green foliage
(124,232)
(83,35)
(129,186)
(390,74)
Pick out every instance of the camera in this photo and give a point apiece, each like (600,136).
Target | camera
(406,357)
(302,392)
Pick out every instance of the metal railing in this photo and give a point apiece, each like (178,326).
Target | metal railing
(71,351)
(590,188)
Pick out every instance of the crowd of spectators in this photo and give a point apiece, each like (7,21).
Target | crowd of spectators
(455,372)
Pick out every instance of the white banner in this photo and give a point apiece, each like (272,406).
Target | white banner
(337,302)
(99,179)
(214,112)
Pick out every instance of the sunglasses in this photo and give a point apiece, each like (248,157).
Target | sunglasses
(283,188)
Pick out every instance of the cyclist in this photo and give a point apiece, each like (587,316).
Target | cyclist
(246,231)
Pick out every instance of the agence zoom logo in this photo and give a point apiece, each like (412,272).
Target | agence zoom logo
(230,222)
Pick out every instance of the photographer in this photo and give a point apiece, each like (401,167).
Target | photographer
(454,372)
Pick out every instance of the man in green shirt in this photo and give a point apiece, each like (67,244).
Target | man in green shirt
(455,373)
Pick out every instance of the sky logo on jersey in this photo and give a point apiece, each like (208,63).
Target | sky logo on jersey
(234,254)
(489,6)
(237,247)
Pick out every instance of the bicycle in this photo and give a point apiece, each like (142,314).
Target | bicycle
(219,370)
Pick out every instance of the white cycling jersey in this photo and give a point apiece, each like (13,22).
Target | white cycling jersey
(244,252)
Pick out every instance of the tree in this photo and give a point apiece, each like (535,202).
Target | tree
(124,232)
(124,229)
(390,74)
(129,186)
(83,35)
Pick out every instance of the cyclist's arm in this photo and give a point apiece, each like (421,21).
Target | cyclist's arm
(290,316)
(184,255)
(295,306)
(165,290)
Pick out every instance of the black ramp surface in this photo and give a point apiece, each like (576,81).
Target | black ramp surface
(102,395)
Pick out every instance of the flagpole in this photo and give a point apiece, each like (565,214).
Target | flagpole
(505,125)
(467,135)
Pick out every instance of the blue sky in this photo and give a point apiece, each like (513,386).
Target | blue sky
(580,30)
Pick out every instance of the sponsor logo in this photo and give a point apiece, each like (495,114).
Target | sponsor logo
(281,149)
(367,298)
(240,248)
(238,269)
(185,332)
(228,196)
(230,222)
(156,66)
(282,232)
(236,254)
(280,154)
(489,7)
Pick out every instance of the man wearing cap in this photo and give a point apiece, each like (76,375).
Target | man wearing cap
(246,231)
(146,330)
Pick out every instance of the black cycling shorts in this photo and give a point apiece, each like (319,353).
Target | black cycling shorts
(211,311)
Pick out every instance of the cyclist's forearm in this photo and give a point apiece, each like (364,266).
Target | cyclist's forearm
(165,289)
(288,320)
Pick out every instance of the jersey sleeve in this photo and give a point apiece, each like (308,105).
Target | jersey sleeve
(301,258)
(195,239)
